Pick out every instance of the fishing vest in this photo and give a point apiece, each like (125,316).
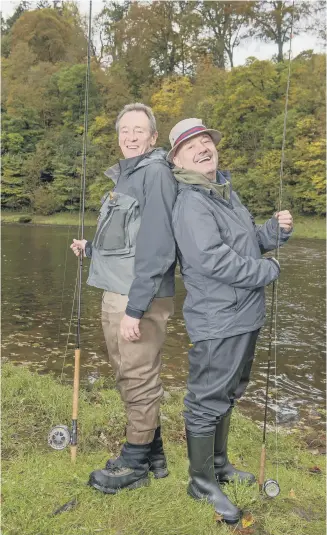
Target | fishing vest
(113,246)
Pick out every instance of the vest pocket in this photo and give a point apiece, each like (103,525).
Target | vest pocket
(113,236)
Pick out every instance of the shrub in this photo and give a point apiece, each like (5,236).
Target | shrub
(44,201)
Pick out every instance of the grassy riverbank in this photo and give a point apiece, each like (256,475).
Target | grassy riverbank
(305,227)
(62,218)
(38,480)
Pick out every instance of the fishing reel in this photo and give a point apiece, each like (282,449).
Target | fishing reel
(271,488)
(59,437)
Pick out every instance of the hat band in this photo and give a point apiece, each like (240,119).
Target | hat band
(193,130)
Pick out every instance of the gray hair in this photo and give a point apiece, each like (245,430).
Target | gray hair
(138,106)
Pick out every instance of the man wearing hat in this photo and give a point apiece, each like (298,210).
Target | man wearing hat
(219,250)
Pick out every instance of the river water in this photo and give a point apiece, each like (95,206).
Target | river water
(38,284)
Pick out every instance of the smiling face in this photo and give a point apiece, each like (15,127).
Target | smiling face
(198,154)
(134,134)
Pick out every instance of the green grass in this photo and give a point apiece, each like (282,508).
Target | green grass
(62,218)
(310,227)
(38,480)
(305,227)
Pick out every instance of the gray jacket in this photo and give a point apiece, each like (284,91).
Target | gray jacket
(133,251)
(219,250)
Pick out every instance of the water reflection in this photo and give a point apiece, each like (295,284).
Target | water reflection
(38,286)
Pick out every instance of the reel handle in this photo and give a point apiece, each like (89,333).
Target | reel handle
(262,467)
(73,447)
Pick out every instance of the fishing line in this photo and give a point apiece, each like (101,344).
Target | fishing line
(69,329)
(67,242)
(66,257)
(80,258)
(271,486)
(277,253)
(60,436)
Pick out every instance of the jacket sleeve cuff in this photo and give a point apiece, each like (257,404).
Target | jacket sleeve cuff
(274,224)
(133,313)
(275,262)
(286,232)
(88,249)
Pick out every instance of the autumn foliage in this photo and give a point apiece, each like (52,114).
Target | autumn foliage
(175,57)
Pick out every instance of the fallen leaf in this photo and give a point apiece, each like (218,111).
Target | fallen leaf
(218,517)
(243,526)
(66,507)
(103,439)
(247,520)
(315,470)
(292,493)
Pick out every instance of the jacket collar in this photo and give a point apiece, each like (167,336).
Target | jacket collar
(221,178)
(129,165)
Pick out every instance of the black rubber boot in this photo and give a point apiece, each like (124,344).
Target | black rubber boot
(224,470)
(129,471)
(203,484)
(157,458)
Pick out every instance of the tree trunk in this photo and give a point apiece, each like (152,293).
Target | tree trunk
(280,51)
(230,57)
(219,54)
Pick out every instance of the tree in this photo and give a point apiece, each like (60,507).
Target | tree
(7,24)
(10,21)
(223,28)
(107,25)
(168,103)
(308,186)
(272,21)
(237,17)
(13,193)
(189,24)
(247,106)
(49,36)
(317,23)
(150,38)
(154,54)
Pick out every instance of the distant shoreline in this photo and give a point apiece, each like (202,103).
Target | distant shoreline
(305,227)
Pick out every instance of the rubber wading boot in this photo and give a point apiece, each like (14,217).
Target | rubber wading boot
(224,470)
(203,484)
(129,471)
(157,458)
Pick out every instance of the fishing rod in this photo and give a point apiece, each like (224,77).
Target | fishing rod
(61,436)
(270,486)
